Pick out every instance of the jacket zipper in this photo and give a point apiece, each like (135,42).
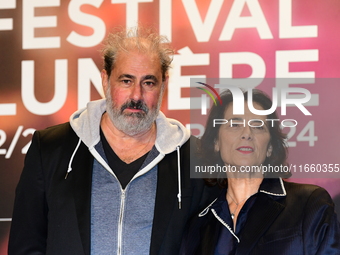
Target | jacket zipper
(120,222)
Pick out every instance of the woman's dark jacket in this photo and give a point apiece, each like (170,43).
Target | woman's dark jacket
(286,219)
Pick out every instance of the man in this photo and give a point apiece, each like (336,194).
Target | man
(115,179)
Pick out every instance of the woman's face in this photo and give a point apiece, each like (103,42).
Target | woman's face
(241,144)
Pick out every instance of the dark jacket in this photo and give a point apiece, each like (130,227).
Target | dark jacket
(286,218)
(52,214)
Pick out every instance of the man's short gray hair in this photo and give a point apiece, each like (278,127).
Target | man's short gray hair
(138,38)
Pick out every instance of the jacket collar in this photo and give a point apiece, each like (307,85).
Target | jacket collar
(261,216)
(272,187)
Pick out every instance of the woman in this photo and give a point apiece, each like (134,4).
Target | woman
(258,213)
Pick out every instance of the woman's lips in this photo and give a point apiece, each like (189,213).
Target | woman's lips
(245,149)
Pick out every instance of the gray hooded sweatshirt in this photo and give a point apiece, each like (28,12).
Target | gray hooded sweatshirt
(121,219)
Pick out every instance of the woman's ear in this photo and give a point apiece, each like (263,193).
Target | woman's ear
(269,150)
(217,146)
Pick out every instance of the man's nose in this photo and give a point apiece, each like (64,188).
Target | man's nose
(136,92)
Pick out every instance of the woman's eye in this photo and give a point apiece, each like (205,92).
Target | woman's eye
(259,127)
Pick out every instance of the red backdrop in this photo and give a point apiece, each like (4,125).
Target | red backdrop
(50,66)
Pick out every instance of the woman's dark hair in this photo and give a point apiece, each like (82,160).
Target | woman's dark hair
(277,138)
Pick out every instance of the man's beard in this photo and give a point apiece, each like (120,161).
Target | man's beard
(135,122)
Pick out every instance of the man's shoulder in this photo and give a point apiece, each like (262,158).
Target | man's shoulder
(55,131)
(56,134)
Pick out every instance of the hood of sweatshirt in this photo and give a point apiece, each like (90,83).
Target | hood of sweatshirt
(171,135)
(85,123)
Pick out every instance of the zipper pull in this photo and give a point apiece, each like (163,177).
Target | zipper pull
(68,170)
(179,201)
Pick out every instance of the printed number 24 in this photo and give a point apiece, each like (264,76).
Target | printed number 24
(307,134)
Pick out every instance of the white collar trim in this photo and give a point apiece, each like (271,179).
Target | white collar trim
(284,193)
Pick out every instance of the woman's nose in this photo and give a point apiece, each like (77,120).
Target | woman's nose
(246,133)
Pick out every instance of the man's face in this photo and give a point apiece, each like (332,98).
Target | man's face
(134,91)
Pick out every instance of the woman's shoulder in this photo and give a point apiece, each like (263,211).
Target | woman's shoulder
(307,192)
(301,187)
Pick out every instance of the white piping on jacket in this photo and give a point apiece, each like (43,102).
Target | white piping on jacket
(225,224)
(206,210)
(275,194)
(71,160)
(179,195)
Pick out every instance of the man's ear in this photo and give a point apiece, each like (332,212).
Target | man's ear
(165,81)
(164,85)
(269,150)
(105,80)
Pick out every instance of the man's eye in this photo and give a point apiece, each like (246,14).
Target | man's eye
(126,81)
(149,83)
